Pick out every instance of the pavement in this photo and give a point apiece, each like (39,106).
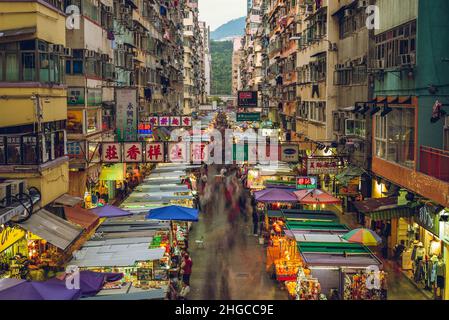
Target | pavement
(231,266)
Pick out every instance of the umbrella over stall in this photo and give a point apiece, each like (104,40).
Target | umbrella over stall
(316,196)
(173,213)
(275,195)
(16,289)
(363,236)
(110,212)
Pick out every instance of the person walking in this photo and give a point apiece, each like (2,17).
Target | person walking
(255,222)
(185,290)
(186,269)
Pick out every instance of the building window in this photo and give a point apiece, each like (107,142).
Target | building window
(13,150)
(355,128)
(93,121)
(395,136)
(30,149)
(397,46)
(22,61)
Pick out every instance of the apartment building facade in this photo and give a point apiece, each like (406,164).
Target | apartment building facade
(33,103)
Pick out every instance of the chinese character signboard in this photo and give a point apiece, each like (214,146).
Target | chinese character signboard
(126,104)
(133,152)
(248,116)
(306,183)
(199,152)
(247,99)
(175,121)
(154,152)
(322,166)
(164,121)
(111,152)
(290,153)
(145,129)
(186,121)
(178,152)
(154,121)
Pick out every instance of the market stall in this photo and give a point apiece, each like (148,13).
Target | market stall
(259,175)
(145,269)
(339,266)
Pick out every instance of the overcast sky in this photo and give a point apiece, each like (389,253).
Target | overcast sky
(218,12)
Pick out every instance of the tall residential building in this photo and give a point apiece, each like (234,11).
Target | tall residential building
(33,97)
(125,45)
(193,56)
(236,57)
(207,67)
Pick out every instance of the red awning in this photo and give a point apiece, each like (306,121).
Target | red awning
(81,217)
(316,197)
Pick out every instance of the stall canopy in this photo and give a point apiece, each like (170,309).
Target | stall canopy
(115,254)
(275,195)
(316,225)
(384,209)
(337,254)
(82,217)
(173,213)
(110,212)
(303,215)
(15,289)
(316,196)
(68,200)
(90,283)
(50,227)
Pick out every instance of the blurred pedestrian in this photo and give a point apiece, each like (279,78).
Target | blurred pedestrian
(185,290)
(186,269)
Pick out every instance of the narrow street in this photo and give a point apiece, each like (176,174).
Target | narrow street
(232,263)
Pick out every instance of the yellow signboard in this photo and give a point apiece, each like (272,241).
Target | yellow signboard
(9,236)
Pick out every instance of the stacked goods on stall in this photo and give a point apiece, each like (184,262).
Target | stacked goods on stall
(365,286)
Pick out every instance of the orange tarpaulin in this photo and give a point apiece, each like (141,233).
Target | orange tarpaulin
(316,196)
(81,217)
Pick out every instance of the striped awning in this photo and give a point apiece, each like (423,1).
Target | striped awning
(399,212)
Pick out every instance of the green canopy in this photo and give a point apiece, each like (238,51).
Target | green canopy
(316,225)
(332,248)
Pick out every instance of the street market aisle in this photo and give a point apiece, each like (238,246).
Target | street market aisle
(232,263)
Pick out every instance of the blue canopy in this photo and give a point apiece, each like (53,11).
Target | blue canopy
(110,212)
(173,213)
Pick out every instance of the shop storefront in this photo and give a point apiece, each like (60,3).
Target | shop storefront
(423,259)
(444,236)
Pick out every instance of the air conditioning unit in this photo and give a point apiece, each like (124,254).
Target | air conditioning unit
(18,186)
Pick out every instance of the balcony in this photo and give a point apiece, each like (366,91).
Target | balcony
(434,163)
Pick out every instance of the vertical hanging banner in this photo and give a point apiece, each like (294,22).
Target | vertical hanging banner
(111,152)
(178,152)
(133,152)
(126,104)
(154,152)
